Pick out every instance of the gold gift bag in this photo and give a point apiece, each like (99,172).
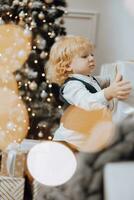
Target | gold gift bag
(11,188)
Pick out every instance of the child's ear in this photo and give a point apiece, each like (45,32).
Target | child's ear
(69,69)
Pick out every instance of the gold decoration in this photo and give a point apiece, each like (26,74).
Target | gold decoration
(95,126)
(15,46)
(7,80)
(13,118)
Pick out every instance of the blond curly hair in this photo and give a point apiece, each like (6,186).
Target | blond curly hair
(61,55)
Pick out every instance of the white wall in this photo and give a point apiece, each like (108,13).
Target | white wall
(115,30)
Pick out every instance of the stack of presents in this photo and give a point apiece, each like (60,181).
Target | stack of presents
(14,173)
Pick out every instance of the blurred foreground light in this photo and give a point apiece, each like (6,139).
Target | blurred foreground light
(51,163)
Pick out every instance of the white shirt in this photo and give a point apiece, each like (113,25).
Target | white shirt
(76,94)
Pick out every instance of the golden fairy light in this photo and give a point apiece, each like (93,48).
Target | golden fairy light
(48,99)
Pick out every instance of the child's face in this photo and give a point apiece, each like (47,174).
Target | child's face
(83,64)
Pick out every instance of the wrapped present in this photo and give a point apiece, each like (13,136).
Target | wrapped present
(13,164)
(13,161)
(11,188)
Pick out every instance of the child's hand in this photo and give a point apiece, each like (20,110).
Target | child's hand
(119,89)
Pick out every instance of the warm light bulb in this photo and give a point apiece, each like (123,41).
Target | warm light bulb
(48,99)
(50,85)
(36,61)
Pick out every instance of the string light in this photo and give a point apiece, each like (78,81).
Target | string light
(50,138)
(49,33)
(33,114)
(59,106)
(50,94)
(29,109)
(20,97)
(48,99)
(19,140)
(43,75)
(50,85)
(34,47)
(29,82)
(13,92)
(35,61)
(30,99)
(27,98)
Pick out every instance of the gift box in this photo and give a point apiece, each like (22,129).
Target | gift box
(13,165)
(13,162)
(11,188)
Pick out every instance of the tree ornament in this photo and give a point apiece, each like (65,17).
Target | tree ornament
(25,1)
(33,24)
(43,54)
(40,134)
(22,14)
(34,13)
(40,42)
(41,15)
(49,1)
(33,85)
(18,77)
(16,2)
(61,21)
(43,94)
(52,35)
(36,5)
(45,27)
(30,4)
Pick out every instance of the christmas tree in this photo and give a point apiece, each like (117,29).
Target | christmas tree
(44,18)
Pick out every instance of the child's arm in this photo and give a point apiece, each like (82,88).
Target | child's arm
(103,81)
(76,94)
